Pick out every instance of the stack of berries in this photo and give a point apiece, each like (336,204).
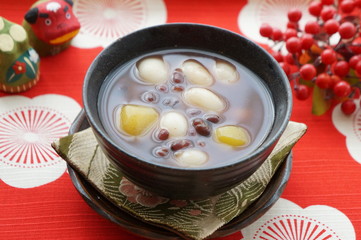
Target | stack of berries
(324,55)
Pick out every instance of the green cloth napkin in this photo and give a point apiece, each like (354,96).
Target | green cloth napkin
(189,218)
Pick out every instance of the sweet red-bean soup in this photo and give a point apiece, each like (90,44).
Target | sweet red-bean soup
(186,108)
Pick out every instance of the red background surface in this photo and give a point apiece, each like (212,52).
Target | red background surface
(323,171)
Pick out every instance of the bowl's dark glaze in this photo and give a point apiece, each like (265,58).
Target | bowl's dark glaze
(184,183)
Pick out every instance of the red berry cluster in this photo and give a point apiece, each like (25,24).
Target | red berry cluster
(325,54)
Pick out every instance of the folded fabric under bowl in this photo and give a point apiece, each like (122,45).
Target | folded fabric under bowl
(190,218)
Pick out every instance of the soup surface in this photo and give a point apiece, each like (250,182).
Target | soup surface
(186,108)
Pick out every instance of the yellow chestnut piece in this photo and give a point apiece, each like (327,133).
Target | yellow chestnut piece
(196,73)
(232,135)
(153,70)
(226,72)
(135,120)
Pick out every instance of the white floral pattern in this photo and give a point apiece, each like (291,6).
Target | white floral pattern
(273,12)
(103,21)
(350,126)
(27,128)
(287,220)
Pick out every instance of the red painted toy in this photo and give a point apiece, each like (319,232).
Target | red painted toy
(51,25)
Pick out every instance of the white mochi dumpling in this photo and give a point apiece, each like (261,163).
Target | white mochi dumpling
(196,73)
(226,72)
(175,123)
(191,157)
(204,99)
(153,70)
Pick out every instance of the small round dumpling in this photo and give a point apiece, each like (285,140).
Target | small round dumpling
(191,157)
(175,123)
(226,72)
(196,73)
(153,70)
(204,99)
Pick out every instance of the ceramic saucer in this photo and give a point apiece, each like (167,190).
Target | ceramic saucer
(108,210)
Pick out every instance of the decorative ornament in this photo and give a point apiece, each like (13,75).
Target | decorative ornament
(19,63)
(51,25)
(324,55)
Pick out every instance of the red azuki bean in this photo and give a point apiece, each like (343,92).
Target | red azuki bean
(213,118)
(178,88)
(162,88)
(201,127)
(163,134)
(161,152)
(180,144)
(150,97)
(177,76)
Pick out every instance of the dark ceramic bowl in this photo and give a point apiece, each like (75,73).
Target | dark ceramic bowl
(185,183)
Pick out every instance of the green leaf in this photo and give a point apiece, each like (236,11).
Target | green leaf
(305,82)
(353,79)
(320,104)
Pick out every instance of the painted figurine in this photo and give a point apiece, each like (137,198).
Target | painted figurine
(19,63)
(51,25)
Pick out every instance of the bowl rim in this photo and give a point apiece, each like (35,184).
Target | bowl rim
(178,169)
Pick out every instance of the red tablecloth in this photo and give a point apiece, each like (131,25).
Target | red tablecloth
(38,200)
